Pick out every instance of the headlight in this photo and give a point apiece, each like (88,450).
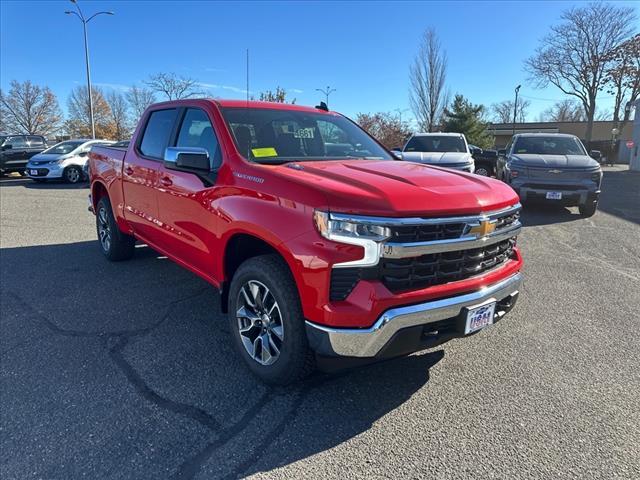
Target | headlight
(596,176)
(353,231)
(337,229)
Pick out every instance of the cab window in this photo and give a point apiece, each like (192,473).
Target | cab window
(196,131)
(157,132)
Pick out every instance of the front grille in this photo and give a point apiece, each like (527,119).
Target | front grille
(404,274)
(553,186)
(426,233)
(420,272)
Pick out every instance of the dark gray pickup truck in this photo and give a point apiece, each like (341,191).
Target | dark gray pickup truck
(551,168)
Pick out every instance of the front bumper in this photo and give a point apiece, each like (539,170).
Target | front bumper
(403,330)
(46,170)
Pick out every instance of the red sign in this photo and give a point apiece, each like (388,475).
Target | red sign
(629,143)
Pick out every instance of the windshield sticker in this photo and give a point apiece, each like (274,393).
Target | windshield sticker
(264,152)
(303,133)
(522,150)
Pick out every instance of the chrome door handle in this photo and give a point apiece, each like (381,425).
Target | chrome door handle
(166,181)
(128,170)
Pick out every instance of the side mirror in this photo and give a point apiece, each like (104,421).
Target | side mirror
(187,159)
(397,153)
(595,154)
(502,152)
(83,154)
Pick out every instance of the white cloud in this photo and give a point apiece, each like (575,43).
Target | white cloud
(230,88)
(113,86)
(295,90)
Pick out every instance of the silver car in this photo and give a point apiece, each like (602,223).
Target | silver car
(551,168)
(64,160)
(448,150)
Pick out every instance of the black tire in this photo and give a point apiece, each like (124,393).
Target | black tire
(295,360)
(588,209)
(73,174)
(119,246)
(483,170)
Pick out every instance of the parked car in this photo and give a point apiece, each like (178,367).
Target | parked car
(553,168)
(16,150)
(320,243)
(485,161)
(448,150)
(64,160)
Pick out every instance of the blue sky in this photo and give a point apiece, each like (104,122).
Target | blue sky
(363,49)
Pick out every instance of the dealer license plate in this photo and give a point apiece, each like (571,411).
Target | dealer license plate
(479,317)
(33,172)
(554,195)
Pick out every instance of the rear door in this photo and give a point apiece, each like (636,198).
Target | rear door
(184,200)
(140,173)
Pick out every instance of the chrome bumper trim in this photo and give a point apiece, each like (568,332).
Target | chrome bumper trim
(404,250)
(367,343)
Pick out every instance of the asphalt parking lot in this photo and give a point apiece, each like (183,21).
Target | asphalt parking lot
(126,370)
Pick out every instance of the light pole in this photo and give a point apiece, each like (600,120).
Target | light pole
(515,109)
(86,56)
(328,91)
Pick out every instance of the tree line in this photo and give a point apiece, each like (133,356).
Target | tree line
(27,108)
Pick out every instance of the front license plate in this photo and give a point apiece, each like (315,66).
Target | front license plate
(33,172)
(554,195)
(479,317)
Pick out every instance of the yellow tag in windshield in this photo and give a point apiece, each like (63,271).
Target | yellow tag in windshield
(264,152)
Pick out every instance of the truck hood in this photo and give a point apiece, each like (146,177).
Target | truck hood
(555,161)
(398,188)
(436,158)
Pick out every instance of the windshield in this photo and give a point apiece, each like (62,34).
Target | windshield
(278,136)
(436,143)
(63,148)
(549,146)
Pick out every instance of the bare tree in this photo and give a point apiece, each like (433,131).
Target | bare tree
(573,56)
(119,114)
(78,123)
(567,110)
(503,111)
(623,78)
(139,99)
(29,109)
(172,86)
(428,73)
(279,96)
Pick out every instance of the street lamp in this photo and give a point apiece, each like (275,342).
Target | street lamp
(328,91)
(86,55)
(515,109)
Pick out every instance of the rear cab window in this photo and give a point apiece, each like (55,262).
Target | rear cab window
(157,133)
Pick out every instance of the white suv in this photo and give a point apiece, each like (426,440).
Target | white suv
(448,150)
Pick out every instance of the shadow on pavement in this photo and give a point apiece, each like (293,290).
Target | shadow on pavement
(48,185)
(621,194)
(159,325)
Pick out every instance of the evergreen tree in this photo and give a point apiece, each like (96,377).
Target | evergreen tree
(467,118)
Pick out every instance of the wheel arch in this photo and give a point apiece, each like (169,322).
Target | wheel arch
(239,248)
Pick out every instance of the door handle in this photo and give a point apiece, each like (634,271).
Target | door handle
(166,181)
(128,170)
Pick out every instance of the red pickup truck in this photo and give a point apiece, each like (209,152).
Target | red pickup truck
(321,243)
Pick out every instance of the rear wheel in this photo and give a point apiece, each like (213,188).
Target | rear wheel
(483,170)
(72,174)
(267,323)
(588,209)
(114,244)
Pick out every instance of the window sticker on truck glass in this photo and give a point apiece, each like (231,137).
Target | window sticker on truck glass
(264,152)
(303,133)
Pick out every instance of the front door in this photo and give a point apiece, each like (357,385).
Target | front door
(140,174)
(184,201)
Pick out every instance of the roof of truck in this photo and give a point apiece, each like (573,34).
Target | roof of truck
(439,134)
(269,105)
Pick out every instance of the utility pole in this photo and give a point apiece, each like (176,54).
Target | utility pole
(86,56)
(515,109)
(328,91)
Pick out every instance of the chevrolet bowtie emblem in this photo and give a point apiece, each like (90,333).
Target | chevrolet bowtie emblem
(485,228)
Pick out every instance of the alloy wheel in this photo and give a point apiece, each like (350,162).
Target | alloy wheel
(73,175)
(104,229)
(259,322)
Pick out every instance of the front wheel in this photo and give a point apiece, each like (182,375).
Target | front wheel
(483,170)
(114,244)
(266,321)
(73,174)
(588,209)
